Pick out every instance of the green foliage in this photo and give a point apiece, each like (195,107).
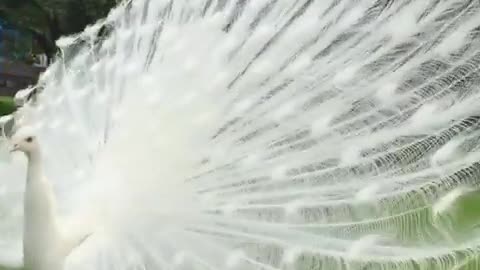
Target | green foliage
(7,105)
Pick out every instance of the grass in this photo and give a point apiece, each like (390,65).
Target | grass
(7,105)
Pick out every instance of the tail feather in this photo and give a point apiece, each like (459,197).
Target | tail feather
(267,134)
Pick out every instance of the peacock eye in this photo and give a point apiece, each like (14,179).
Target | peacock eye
(29,139)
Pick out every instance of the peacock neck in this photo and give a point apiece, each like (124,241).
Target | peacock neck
(39,193)
(34,171)
(40,217)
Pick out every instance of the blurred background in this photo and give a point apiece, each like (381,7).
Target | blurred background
(28,31)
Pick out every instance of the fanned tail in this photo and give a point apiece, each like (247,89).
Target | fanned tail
(278,134)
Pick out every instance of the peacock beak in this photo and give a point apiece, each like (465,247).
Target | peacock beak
(14,148)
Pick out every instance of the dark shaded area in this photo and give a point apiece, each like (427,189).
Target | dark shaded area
(29,28)
(48,20)
(17,75)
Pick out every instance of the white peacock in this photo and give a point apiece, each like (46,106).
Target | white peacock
(252,134)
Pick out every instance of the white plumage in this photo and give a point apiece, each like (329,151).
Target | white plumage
(46,241)
(273,134)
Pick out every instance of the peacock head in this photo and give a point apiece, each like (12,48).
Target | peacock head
(24,142)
